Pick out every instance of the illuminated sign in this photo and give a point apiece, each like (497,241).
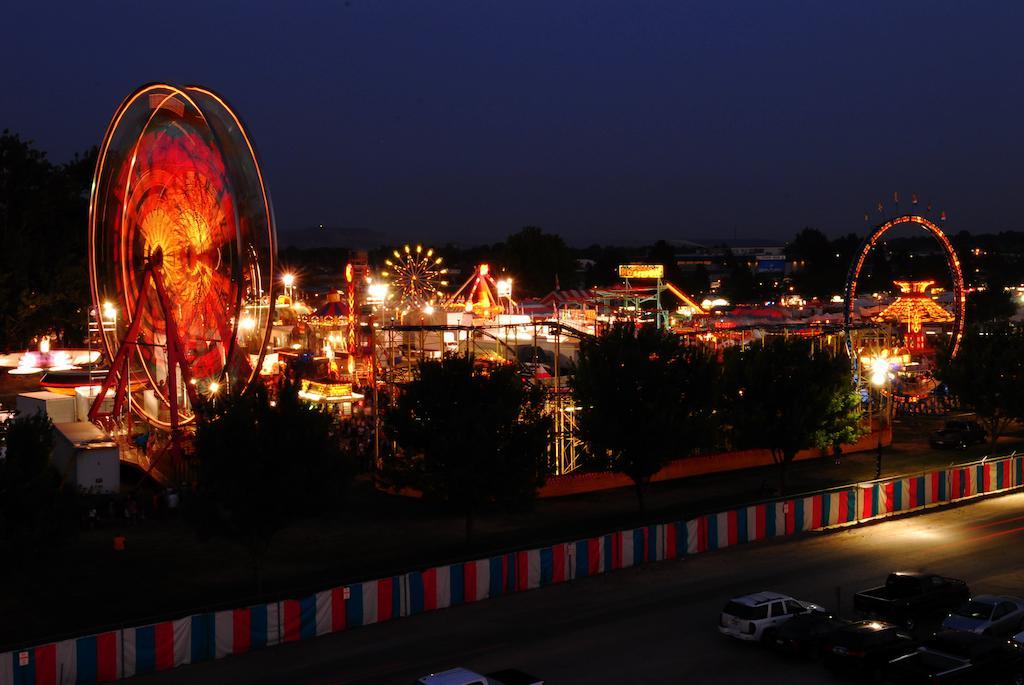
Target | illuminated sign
(327,392)
(641,271)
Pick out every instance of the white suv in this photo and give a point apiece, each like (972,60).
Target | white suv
(751,616)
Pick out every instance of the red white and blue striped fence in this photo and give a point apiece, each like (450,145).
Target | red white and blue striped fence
(122,653)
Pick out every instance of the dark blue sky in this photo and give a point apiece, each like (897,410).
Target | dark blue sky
(602,121)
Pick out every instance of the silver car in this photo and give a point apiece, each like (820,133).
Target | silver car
(987,615)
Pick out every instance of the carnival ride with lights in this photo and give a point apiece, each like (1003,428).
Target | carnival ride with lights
(901,367)
(182,240)
(417,277)
(952,261)
(482,296)
(642,302)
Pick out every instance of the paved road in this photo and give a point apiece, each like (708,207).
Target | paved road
(652,624)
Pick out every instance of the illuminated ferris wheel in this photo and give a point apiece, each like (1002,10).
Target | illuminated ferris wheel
(416,275)
(182,243)
(952,263)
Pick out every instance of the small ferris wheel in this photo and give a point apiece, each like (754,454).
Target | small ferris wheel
(416,275)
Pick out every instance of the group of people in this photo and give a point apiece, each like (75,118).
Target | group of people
(131,508)
(357,438)
(932,405)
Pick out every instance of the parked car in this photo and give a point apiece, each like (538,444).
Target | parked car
(752,617)
(987,615)
(865,648)
(906,598)
(1018,633)
(804,635)
(464,676)
(957,434)
(963,658)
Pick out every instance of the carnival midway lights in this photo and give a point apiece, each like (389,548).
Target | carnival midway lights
(44,359)
(182,242)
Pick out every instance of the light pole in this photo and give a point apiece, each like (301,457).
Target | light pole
(377,295)
(880,380)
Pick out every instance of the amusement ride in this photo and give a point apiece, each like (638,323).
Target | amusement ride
(417,276)
(901,367)
(182,242)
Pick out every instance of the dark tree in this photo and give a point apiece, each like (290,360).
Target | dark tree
(470,440)
(877,274)
(819,269)
(645,398)
(44,285)
(263,466)
(539,261)
(696,282)
(740,285)
(36,509)
(663,253)
(987,376)
(991,304)
(605,269)
(780,395)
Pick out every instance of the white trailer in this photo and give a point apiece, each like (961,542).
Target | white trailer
(60,408)
(87,457)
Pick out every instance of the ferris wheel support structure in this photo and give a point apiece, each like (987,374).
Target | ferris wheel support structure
(176,360)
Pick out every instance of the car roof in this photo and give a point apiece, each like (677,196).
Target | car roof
(758,598)
(453,676)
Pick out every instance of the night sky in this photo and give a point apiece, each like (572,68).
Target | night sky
(611,122)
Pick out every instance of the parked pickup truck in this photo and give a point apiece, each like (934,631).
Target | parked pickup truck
(906,598)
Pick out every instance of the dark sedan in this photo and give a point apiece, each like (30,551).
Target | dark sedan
(804,635)
(957,434)
(865,648)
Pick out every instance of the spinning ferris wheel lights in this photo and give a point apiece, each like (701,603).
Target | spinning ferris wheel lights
(182,245)
(416,275)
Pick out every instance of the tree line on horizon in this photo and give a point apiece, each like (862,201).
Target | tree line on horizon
(44,282)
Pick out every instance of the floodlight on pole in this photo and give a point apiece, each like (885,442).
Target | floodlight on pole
(879,371)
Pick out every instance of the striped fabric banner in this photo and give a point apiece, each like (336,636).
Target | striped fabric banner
(697,535)
(149,648)
(589,557)
(52,664)
(840,507)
